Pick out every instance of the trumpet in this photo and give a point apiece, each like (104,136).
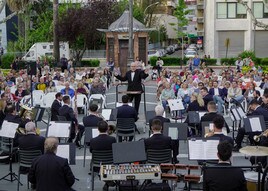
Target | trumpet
(257,138)
(209,134)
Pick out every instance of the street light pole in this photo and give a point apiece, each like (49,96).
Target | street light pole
(144,12)
(130,34)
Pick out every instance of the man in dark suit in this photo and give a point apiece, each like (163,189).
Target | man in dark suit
(206,96)
(233,178)
(212,113)
(159,111)
(218,124)
(69,114)
(93,118)
(126,111)
(50,172)
(56,106)
(11,114)
(134,78)
(218,96)
(31,141)
(257,96)
(157,139)
(256,110)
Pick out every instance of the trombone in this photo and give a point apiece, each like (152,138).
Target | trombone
(257,138)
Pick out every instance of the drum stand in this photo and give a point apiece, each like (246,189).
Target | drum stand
(13,175)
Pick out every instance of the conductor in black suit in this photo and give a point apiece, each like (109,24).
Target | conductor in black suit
(56,106)
(134,77)
(93,118)
(223,179)
(212,113)
(69,114)
(51,172)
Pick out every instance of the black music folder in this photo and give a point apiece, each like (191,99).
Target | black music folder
(254,123)
(67,150)
(195,116)
(128,152)
(90,132)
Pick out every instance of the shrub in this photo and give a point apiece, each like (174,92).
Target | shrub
(7,60)
(246,54)
(90,63)
(264,61)
(169,61)
(228,61)
(211,61)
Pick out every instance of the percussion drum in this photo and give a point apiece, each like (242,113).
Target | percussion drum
(252,180)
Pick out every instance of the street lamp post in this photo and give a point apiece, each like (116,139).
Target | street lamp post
(130,34)
(144,12)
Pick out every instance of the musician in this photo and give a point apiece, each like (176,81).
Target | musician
(51,172)
(56,106)
(3,105)
(256,109)
(93,118)
(157,140)
(265,101)
(126,111)
(134,78)
(159,111)
(101,143)
(212,113)
(69,114)
(31,141)
(218,124)
(223,179)
(11,115)
(67,90)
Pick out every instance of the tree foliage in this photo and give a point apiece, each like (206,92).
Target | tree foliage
(180,12)
(79,25)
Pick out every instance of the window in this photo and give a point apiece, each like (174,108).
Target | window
(231,11)
(260,11)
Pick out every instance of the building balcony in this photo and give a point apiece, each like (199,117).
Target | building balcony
(200,6)
(200,20)
(200,33)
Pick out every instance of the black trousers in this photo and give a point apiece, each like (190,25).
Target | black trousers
(137,100)
(240,136)
(79,134)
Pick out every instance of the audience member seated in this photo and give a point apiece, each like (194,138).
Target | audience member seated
(167,94)
(126,111)
(223,179)
(97,87)
(69,114)
(255,109)
(50,87)
(82,89)
(56,106)
(184,93)
(49,171)
(235,93)
(249,92)
(206,96)
(218,96)
(159,111)
(93,118)
(67,90)
(197,103)
(212,113)
(257,96)
(41,85)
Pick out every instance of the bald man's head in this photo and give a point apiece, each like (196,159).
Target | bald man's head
(133,66)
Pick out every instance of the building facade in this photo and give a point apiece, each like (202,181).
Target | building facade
(227,19)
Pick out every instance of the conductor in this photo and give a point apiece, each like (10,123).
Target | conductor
(134,77)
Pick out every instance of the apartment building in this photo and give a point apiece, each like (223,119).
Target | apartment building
(227,19)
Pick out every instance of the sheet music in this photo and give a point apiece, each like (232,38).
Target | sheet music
(173,133)
(118,104)
(203,150)
(8,129)
(106,113)
(175,104)
(201,114)
(235,114)
(63,151)
(241,112)
(255,124)
(95,133)
(59,129)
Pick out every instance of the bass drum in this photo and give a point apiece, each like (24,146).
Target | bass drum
(252,180)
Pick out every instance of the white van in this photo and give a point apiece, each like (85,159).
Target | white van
(46,49)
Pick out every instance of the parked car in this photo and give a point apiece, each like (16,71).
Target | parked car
(170,49)
(176,46)
(152,53)
(190,54)
(189,49)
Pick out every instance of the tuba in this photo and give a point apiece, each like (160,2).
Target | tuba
(26,112)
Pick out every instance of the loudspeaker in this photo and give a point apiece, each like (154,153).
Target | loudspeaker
(31,68)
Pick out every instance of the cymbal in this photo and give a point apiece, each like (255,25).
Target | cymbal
(254,150)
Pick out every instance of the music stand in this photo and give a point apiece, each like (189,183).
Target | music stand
(176,105)
(109,114)
(67,150)
(203,149)
(128,152)
(195,116)
(206,126)
(254,123)
(60,129)
(90,132)
(8,130)
(236,117)
(176,130)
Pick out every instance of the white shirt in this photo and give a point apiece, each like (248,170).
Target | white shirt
(132,75)
(216,91)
